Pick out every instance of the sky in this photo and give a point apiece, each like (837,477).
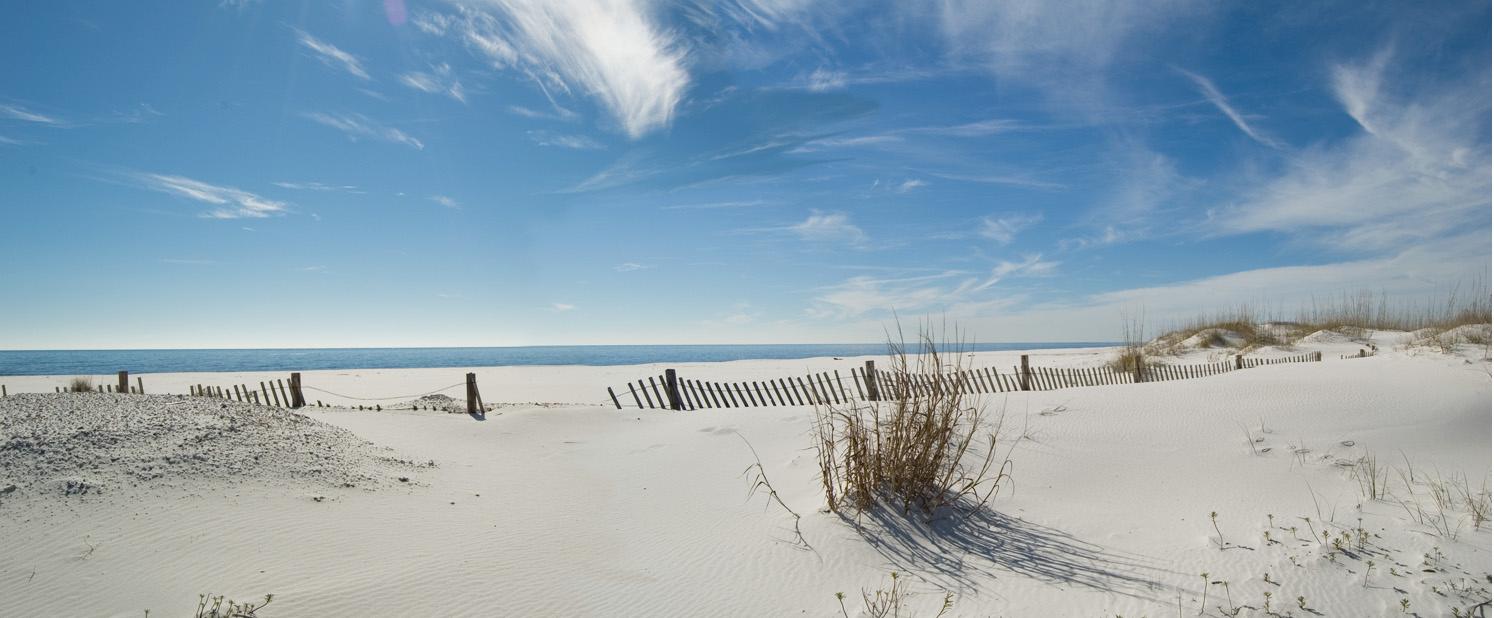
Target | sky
(254,173)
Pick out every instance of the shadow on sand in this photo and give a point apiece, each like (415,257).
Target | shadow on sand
(956,550)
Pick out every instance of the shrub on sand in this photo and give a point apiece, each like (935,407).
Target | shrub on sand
(80,384)
(915,449)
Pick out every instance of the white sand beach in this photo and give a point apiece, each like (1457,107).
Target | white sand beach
(559,504)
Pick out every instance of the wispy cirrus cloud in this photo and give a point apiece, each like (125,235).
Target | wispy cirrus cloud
(1004,228)
(358,125)
(560,113)
(227,202)
(446,201)
(17,112)
(439,80)
(332,56)
(1217,98)
(614,51)
(718,205)
(573,142)
(828,226)
(315,186)
(627,267)
(966,292)
(1066,47)
(1418,170)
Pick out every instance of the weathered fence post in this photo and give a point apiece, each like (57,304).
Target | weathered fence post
(297,400)
(472,393)
(1026,374)
(1239,361)
(672,389)
(872,392)
(614,398)
(140,384)
(124,382)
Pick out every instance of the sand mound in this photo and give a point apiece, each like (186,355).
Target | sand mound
(1214,338)
(88,443)
(1327,336)
(1468,333)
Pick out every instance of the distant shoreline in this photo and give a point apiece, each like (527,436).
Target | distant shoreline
(100,362)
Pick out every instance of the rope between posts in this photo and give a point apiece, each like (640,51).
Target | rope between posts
(447,388)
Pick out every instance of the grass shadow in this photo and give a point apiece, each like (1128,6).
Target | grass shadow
(956,550)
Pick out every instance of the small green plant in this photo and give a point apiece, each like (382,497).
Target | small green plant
(1267,595)
(80,384)
(1405,606)
(1369,566)
(1302,602)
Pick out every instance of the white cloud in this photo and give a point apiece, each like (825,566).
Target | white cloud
(1064,46)
(445,201)
(1004,229)
(611,50)
(562,307)
(560,113)
(957,293)
(911,184)
(627,267)
(824,80)
(331,56)
(828,226)
(358,125)
(1014,180)
(16,112)
(315,186)
(440,80)
(718,205)
(1418,171)
(574,142)
(230,203)
(980,128)
(842,142)
(1212,93)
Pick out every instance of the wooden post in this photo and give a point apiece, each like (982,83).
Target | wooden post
(1239,361)
(672,389)
(140,385)
(609,394)
(3,393)
(124,382)
(297,400)
(1026,374)
(472,393)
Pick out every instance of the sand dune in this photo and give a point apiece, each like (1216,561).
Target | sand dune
(584,510)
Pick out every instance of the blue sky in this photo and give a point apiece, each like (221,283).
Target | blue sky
(522,172)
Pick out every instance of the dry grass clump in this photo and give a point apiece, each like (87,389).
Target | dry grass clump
(80,384)
(1133,353)
(913,449)
(1354,315)
(209,606)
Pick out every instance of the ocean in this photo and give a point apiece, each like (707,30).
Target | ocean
(100,362)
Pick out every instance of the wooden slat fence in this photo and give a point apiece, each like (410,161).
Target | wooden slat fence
(870,384)
(1300,358)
